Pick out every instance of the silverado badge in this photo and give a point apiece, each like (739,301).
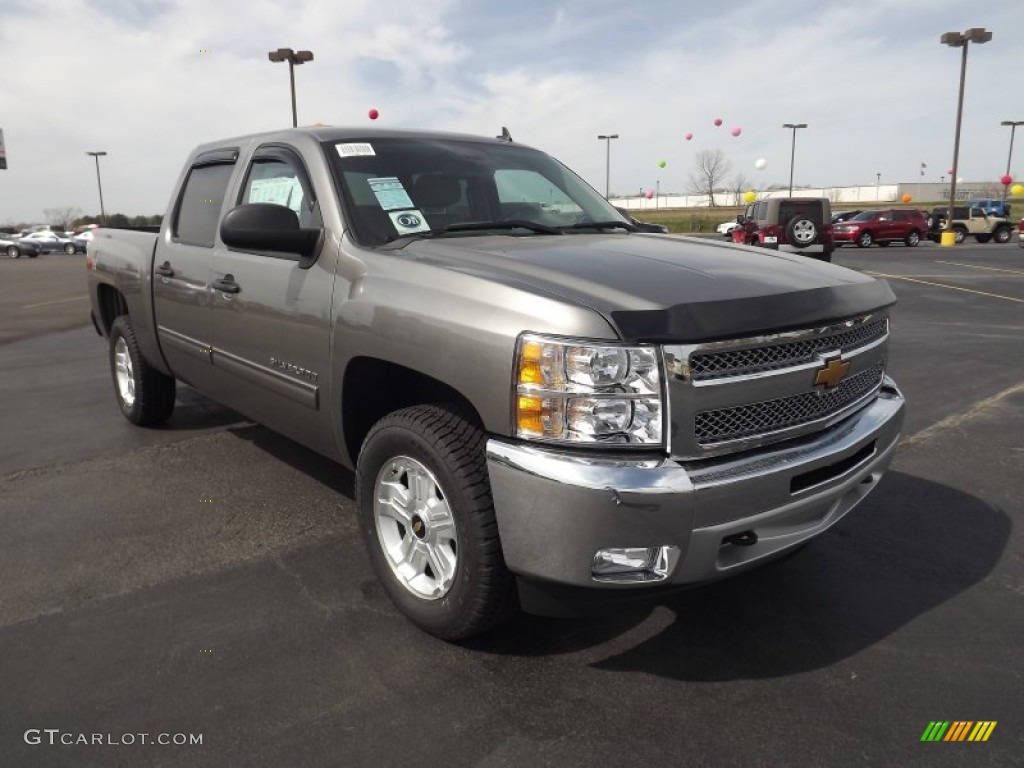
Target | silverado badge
(832,373)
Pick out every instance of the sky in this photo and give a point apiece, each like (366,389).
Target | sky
(147,80)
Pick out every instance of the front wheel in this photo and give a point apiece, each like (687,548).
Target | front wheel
(427,517)
(146,395)
(1002,235)
(912,239)
(864,240)
(13,252)
(69,249)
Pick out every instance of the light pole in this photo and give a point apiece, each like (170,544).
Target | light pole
(878,186)
(293,58)
(959,40)
(96,156)
(792,151)
(607,139)
(1009,158)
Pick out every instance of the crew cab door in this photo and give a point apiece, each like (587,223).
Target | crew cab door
(183,267)
(271,317)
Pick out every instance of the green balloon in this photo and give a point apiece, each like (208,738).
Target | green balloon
(662,163)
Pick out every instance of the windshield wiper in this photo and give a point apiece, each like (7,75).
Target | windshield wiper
(601,225)
(474,226)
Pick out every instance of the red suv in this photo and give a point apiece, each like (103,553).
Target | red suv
(882,227)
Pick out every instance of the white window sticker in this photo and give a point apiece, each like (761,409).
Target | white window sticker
(390,193)
(355,150)
(408,221)
(283,190)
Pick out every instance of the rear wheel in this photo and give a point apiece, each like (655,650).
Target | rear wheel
(69,249)
(912,239)
(1002,235)
(146,395)
(865,239)
(13,252)
(960,233)
(427,517)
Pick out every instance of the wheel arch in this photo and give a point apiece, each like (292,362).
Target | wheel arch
(372,388)
(112,304)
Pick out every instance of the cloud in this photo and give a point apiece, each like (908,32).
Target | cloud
(134,78)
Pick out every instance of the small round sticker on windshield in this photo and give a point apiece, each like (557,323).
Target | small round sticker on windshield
(408,221)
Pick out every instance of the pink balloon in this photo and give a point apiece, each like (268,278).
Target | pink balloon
(374,114)
(950,171)
(689,135)
(718,122)
(649,194)
(1006,180)
(737,131)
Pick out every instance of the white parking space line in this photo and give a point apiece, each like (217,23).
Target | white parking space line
(943,285)
(956,419)
(978,266)
(54,301)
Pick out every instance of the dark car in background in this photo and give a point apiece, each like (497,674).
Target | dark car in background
(13,247)
(889,225)
(50,242)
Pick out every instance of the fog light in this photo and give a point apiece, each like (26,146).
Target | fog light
(634,563)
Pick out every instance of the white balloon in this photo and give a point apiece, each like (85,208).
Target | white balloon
(959,179)
(761,164)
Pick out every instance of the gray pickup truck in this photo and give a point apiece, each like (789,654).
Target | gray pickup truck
(543,408)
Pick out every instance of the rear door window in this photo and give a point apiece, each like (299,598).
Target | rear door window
(199,205)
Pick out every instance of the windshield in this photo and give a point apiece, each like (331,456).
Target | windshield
(865,216)
(394,189)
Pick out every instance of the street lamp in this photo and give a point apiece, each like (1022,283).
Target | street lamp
(96,156)
(878,184)
(607,139)
(1009,158)
(959,40)
(293,58)
(792,151)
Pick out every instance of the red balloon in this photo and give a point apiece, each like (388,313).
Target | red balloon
(374,114)
(649,194)
(1006,180)
(718,122)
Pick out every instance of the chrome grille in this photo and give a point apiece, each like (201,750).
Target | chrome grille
(754,419)
(741,362)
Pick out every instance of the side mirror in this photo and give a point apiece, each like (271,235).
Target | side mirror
(270,227)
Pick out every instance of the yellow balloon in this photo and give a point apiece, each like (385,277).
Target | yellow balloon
(749,196)
(1017,189)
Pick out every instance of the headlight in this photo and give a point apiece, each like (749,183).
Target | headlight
(587,392)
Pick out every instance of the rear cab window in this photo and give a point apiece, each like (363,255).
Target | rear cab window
(197,213)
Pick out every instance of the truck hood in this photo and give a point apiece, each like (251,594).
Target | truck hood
(665,288)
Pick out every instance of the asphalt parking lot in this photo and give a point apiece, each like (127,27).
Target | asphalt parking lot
(207,578)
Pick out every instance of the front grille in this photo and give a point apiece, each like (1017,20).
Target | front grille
(756,419)
(741,362)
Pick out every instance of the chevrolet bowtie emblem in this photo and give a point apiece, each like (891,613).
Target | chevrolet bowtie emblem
(832,373)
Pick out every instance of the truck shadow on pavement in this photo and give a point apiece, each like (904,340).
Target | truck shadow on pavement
(913,545)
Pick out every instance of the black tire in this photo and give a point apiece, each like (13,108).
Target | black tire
(13,252)
(153,392)
(447,441)
(983,238)
(801,232)
(70,249)
(1002,235)
(960,233)
(865,239)
(912,239)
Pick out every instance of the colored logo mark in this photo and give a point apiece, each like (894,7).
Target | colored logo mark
(958,730)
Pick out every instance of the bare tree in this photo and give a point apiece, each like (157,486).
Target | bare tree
(710,169)
(739,185)
(62,218)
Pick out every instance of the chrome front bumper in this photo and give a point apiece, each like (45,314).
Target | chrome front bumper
(556,509)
